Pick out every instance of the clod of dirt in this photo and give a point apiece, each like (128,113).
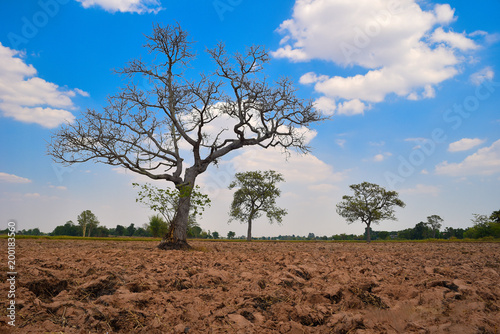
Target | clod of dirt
(137,287)
(128,320)
(369,298)
(265,302)
(335,298)
(301,273)
(248,315)
(46,289)
(181,284)
(99,287)
(447,284)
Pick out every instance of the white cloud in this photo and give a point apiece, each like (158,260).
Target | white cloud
(132,6)
(298,169)
(381,157)
(28,98)
(417,139)
(58,187)
(453,39)
(322,188)
(32,195)
(486,161)
(81,92)
(311,77)
(377,144)
(465,144)
(479,77)
(341,142)
(402,47)
(326,105)
(11,178)
(421,189)
(353,107)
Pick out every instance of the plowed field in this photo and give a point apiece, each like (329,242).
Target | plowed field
(66,286)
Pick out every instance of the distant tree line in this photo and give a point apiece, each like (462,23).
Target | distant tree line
(484,226)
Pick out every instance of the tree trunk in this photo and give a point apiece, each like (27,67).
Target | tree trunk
(176,237)
(249,233)
(368,235)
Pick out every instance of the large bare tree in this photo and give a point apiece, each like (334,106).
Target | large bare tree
(152,131)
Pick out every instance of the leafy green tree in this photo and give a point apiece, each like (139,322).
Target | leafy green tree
(421,231)
(257,193)
(495,217)
(101,231)
(371,203)
(146,130)
(205,235)
(120,230)
(142,232)
(434,223)
(166,202)
(383,235)
(131,230)
(87,221)
(69,229)
(31,231)
(483,227)
(157,226)
(231,234)
(450,232)
(194,232)
(215,235)
(406,234)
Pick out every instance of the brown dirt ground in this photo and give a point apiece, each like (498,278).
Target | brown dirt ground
(272,287)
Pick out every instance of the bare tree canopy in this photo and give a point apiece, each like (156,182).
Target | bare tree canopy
(152,131)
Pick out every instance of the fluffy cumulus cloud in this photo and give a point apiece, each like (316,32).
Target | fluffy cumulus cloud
(402,48)
(465,144)
(486,74)
(11,178)
(486,161)
(132,6)
(27,98)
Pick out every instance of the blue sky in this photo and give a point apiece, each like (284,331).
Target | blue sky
(411,87)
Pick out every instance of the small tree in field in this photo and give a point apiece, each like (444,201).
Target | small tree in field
(434,222)
(371,203)
(157,226)
(120,230)
(495,217)
(154,131)
(87,221)
(166,202)
(257,193)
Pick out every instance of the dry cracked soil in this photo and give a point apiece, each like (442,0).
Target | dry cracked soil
(67,286)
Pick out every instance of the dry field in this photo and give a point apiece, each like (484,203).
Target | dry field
(66,286)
